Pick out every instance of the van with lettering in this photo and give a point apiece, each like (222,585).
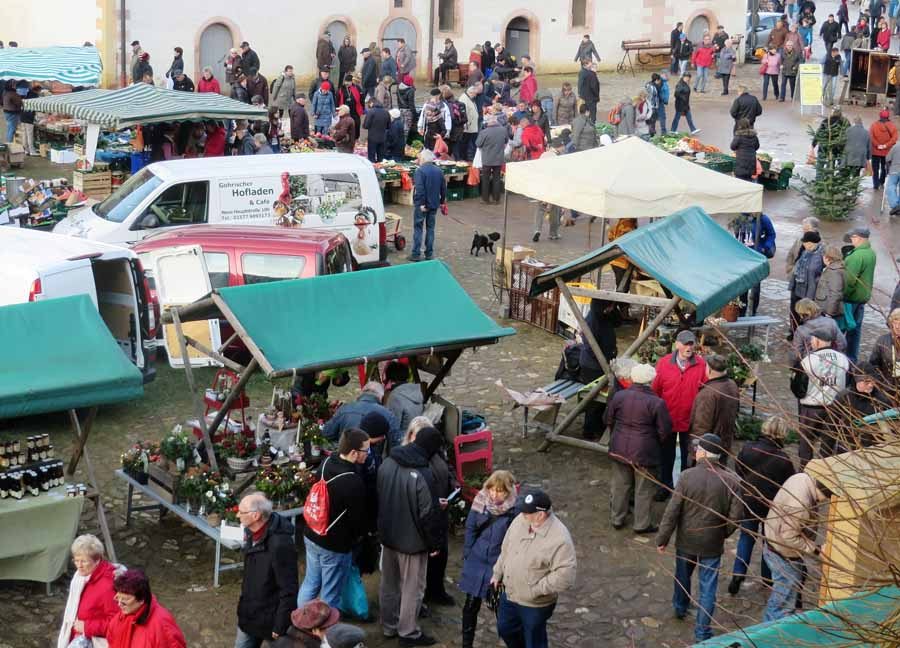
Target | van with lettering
(330,191)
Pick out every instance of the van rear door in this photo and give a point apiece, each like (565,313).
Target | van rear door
(70,277)
(181,278)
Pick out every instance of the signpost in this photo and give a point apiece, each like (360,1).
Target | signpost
(811,86)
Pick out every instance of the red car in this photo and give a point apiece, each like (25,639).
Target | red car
(243,255)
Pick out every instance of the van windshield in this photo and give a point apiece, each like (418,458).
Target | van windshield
(122,202)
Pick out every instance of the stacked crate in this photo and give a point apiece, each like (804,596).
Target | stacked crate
(542,311)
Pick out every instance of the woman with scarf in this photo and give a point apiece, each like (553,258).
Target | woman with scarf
(91,603)
(493,509)
(351,95)
(141,621)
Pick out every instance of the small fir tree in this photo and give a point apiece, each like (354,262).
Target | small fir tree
(834,193)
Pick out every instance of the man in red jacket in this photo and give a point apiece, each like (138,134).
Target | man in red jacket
(678,379)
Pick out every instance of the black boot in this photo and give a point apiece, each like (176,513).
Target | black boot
(735,585)
(470,620)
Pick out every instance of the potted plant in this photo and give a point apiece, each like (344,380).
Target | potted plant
(732,310)
(136,461)
(217,499)
(230,530)
(237,450)
(177,448)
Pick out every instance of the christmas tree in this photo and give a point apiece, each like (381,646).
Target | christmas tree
(835,191)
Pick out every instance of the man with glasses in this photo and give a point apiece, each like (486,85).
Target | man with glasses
(329,556)
(269,588)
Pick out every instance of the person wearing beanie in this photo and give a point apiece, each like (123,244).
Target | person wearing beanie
(805,276)
(411,528)
(704,510)
(639,424)
(395,145)
(884,136)
(323,109)
(536,564)
(350,415)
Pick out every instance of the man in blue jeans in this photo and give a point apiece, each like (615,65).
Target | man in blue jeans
(859,277)
(429,193)
(703,512)
(328,551)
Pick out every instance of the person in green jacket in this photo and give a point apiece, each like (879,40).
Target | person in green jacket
(859,276)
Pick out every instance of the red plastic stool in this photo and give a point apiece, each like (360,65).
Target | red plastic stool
(478,459)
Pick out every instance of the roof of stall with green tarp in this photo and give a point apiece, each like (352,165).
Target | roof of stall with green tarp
(343,319)
(58,354)
(688,253)
(823,627)
(77,66)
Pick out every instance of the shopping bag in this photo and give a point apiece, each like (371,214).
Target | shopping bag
(474,178)
(406,182)
(849,320)
(354,603)
(476,162)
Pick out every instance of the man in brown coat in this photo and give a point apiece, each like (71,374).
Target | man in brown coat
(715,408)
(324,51)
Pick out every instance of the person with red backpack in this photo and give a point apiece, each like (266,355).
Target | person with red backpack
(335,515)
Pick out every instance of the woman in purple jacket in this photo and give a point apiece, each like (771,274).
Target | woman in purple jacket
(493,509)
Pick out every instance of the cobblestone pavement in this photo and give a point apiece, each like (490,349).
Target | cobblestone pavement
(623,591)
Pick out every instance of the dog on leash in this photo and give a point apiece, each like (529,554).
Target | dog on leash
(480,241)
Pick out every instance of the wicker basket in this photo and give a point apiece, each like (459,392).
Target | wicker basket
(237,464)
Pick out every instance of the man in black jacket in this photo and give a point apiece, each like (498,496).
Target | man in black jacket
(269,588)
(863,398)
(377,123)
(369,73)
(589,88)
(249,59)
(328,556)
(830,32)
(674,42)
(410,528)
(182,82)
(449,61)
(299,119)
(746,106)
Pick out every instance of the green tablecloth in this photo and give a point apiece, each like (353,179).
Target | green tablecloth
(36,535)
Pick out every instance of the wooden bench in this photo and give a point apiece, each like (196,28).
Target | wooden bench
(565,389)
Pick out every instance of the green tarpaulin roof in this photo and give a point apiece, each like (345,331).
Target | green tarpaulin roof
(143,104)
(58,354)
(823,627)
(688,253)
(342,319)
(77,66)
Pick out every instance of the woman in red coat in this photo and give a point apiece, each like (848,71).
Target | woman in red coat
(90,605)
(532,139)
(208,83)
(141,622)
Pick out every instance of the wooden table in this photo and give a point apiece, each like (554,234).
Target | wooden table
(195,521)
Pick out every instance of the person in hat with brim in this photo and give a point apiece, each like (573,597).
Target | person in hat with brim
(826,370)
(536,563)
(639,424)
(317,624)
(449,61)
(678,379)
(704,510)
(325,51)
(858,282)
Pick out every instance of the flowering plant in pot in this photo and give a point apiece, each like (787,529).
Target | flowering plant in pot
(237,449)
(194,484)
(178,448)
(732,310)
(137,459)
(217,499)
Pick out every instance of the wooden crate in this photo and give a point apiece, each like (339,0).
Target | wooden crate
(402,196)
(164,483)
(95,185)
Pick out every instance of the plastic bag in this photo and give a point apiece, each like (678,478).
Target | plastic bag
(474,177)
(353,597)
(406,182)
(476,162)
(80,642)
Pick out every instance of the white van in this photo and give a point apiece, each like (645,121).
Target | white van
(332,191)
(37,265)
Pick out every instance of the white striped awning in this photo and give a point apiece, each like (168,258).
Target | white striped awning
(143,104)
(77,66)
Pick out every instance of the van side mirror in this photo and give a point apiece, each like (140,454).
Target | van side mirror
(150,221)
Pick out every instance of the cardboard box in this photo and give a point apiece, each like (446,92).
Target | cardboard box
(62,156)
(515,253)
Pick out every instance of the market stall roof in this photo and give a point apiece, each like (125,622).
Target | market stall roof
(630,179)
(688,253)
(351,318)
(826,626)
(58,354)
(77,66)
(142,103)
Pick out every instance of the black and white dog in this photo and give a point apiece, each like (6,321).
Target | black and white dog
(480,241)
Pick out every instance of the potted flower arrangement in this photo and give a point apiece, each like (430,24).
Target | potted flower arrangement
(732,310)
(194,484)
(216,501)
(177,448)
(237,450)
(286,485)
(137,459)
(230,530)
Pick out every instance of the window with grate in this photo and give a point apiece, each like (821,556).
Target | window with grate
(579,13)
(398,4)
(446,15)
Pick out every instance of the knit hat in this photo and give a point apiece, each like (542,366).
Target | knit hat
(375,425)
(710,442)
(811,237)
(643,374)
(429,439)
(314,614)
(394,113)
(884,114)
(326,86)
(343,635)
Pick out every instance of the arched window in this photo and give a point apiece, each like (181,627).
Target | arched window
(579,13)
(446,15)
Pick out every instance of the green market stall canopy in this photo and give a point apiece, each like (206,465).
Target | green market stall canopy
(60,355)
(351,318)
(688,253)
(143,104)
(77,66)
(823,627)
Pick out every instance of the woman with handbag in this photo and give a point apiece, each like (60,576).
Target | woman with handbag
(493,509)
